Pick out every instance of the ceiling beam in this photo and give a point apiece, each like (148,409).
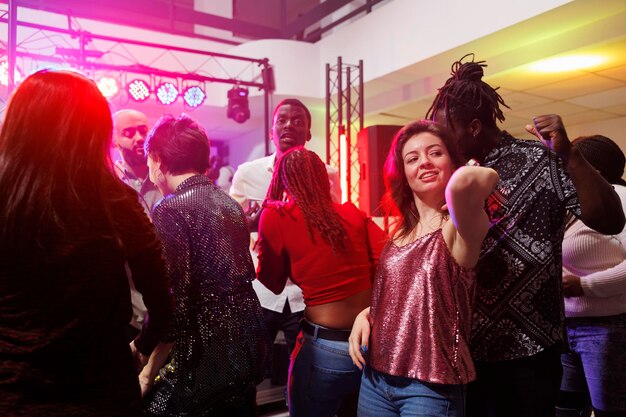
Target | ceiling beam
(311,17)
(156,15)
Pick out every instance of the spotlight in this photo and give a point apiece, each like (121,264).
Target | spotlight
(108,87)
(167,93)
(138,90)
(194,96)
(238,104)
(4,74)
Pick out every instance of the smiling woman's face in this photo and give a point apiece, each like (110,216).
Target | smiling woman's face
(427,163)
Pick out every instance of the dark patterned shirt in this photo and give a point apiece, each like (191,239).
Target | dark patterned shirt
(519,304)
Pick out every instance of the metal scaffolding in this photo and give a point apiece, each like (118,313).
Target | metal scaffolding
(344,119)
(96,54)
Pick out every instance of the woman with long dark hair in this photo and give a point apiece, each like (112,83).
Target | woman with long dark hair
(68,228)
(330,250)
(420,318)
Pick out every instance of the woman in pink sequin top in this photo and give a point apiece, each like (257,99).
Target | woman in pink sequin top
(420,317)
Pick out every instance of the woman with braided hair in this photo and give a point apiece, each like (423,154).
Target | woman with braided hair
(518,314)
(330,250)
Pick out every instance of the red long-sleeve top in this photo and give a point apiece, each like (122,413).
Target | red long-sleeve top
(287,251)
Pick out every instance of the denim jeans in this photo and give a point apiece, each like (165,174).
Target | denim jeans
(595,366)
(321,376)
(385,395)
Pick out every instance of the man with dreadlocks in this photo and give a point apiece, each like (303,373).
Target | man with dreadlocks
(291,127)
(330,250)
(518,316)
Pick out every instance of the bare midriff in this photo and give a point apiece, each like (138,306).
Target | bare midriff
(339,314)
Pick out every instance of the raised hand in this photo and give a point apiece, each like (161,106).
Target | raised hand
(550,131)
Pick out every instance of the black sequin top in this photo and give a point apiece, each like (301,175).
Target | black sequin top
(221,348)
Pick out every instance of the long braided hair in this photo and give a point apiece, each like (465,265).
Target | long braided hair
(465,97)
(302,175)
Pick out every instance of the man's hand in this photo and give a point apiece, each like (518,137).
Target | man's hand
(550,131)
(253,215)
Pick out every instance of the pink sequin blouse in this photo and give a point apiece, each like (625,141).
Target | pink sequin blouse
(422,313)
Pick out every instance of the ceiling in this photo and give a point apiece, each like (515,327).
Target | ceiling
(588,27)
(305,20)
(596,93)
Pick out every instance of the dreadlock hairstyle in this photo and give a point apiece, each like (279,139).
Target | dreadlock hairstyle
(398,200)
(302,175)
(465,97)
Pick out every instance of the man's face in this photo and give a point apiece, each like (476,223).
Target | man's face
(467,144)
(131,129)
(290,128)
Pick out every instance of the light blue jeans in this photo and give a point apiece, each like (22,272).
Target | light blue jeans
(595,366)
(385,395)
(321,376)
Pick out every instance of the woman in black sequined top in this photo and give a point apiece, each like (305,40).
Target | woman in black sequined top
(218,342)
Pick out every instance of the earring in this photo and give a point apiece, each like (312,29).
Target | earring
(160,177)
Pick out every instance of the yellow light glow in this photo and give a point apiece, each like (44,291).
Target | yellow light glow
(567,63)
(343,167)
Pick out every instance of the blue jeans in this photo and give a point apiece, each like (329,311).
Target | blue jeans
(595,367)
(385,395)
(321,376)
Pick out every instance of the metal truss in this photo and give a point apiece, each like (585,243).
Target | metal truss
(344,117)
(98,55)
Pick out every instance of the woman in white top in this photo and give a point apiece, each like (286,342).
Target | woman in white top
(594,286)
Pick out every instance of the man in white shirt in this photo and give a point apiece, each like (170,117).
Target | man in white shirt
(291,127)
(130,128)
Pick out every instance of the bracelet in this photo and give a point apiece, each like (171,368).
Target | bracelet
(472,163)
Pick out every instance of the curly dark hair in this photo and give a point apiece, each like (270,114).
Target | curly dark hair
(302,174)
(398,198)
(465,96)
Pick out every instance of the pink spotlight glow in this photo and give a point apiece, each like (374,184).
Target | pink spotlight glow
(108,87)
(4,74)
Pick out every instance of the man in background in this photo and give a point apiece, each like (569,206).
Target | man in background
(291,127)
(130,128)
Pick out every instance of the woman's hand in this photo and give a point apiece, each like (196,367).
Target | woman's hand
(572,287)
(359,338)
(140,359)
(145,383)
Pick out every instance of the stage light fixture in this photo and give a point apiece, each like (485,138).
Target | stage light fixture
(138,90)
(166,93)
(108,87)
(4,74)
(194,96)
(238,109)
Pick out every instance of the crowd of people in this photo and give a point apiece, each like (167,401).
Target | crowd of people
(139,287)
